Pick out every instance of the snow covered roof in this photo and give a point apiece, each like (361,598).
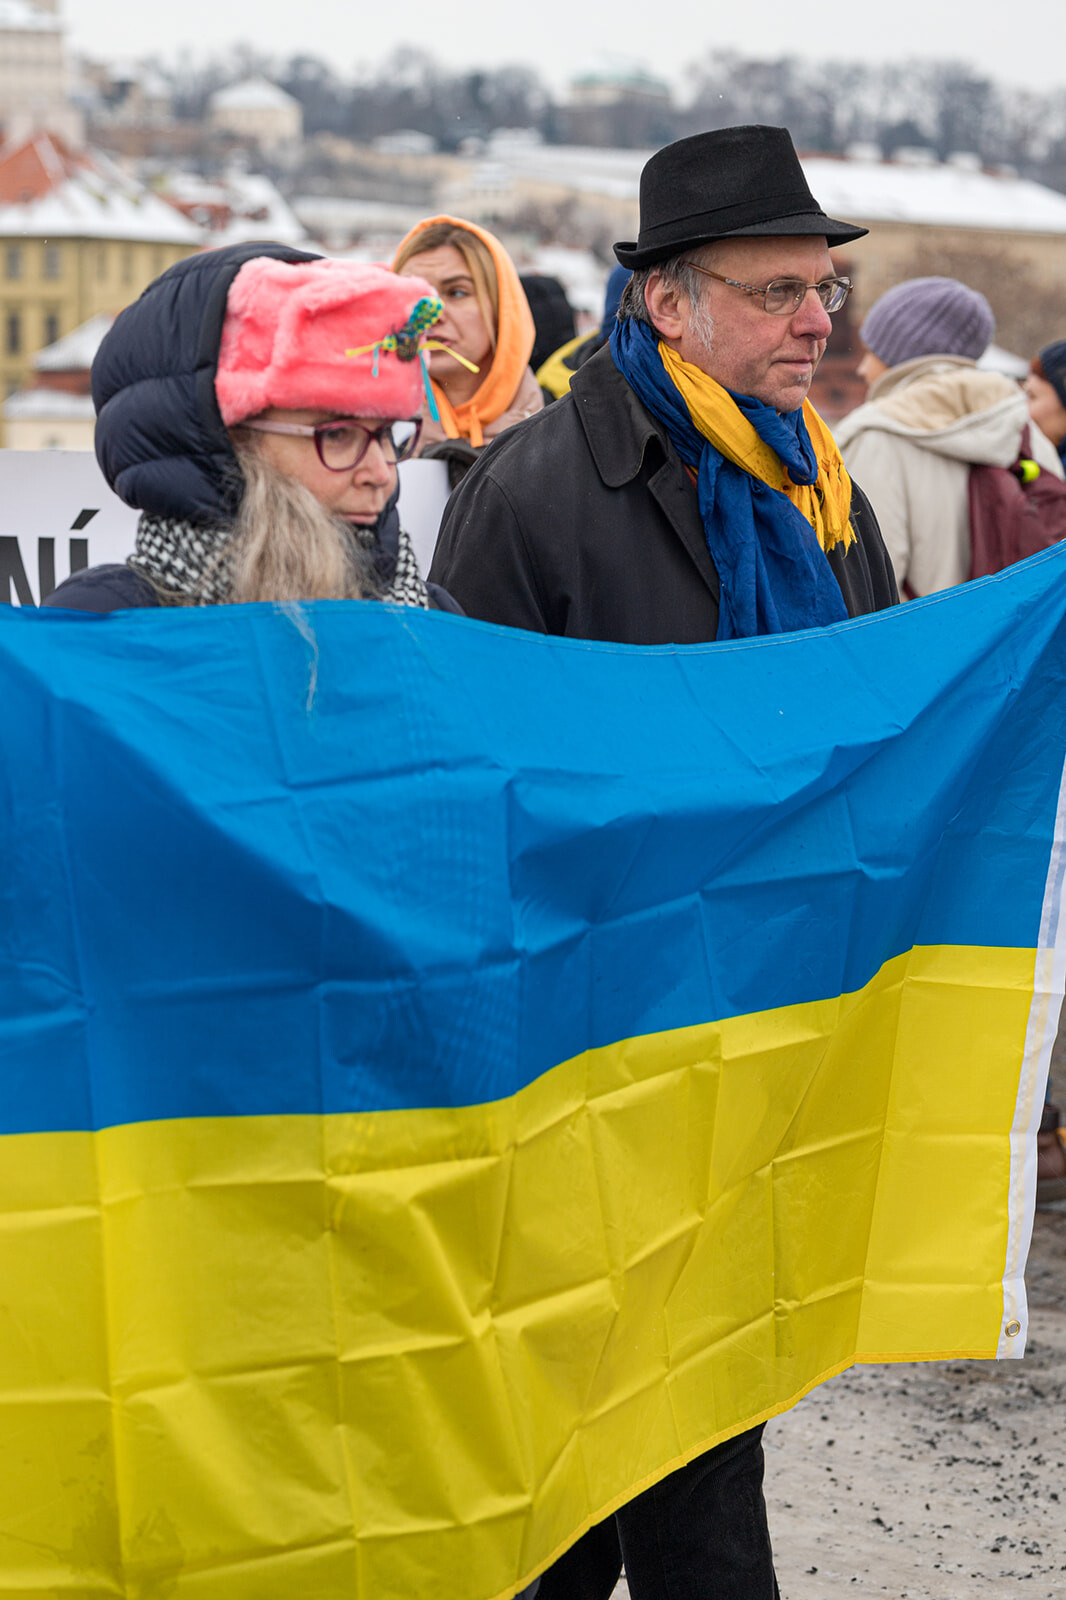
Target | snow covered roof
(48,403)
(188,188)
(405,142)
(945,196)
(585,168)
(48,191)
(18,16)
(259,212)
(236,207)
(326,213)
(252,94)
(76,351)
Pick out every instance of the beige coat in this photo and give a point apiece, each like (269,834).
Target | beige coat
(911,447)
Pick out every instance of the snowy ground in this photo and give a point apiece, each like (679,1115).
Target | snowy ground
(933,1482)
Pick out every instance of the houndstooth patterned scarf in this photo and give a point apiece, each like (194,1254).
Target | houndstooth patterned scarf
(398,574)
(189,560)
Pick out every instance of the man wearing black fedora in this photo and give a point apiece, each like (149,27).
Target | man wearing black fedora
(685,491)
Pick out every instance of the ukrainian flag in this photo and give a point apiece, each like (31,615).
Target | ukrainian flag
(452,1077)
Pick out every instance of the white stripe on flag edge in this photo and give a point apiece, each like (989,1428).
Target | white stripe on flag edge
(1040,1036)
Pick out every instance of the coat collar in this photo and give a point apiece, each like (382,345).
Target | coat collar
(616,425)
(619,433)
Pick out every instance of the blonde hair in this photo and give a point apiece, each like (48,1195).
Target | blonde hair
(479,263)
(285,544)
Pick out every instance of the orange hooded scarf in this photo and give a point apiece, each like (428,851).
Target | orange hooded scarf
(515,335)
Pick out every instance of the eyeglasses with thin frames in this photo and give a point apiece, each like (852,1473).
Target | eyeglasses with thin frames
(342,445)
(783,296)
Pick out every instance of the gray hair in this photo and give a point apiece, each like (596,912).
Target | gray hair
(286,545)
(678,274)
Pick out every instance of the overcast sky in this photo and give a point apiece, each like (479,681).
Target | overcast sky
(559,37)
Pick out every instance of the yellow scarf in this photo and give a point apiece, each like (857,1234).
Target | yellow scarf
(826,503)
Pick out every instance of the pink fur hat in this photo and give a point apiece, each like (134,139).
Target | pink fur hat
(289,325)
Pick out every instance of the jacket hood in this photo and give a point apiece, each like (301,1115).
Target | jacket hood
(515,336)
(945,405)
(160,439)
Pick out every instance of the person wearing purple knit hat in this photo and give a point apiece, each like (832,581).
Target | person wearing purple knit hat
(923,317)
(930,414)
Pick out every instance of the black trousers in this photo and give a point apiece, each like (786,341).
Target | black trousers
(700,1534)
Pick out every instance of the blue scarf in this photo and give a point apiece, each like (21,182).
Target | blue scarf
(772,572)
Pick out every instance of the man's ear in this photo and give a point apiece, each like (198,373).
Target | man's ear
(663,303)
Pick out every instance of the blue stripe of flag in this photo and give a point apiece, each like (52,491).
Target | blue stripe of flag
(356,858)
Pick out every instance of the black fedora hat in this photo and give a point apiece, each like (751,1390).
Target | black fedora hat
(730,183)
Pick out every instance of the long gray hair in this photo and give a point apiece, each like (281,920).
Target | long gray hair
(285,544)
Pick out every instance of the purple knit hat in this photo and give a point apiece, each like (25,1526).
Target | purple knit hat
(928,317)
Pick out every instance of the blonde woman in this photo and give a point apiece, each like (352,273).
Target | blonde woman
(481,380)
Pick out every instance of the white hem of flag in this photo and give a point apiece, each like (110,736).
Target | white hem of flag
(1036,1061)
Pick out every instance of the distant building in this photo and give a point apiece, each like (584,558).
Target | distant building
(126,94)
(614,85)
(34,80)
(77,237)
(67,364)
(619,105)
(56,412)
(257,109)
(48,419)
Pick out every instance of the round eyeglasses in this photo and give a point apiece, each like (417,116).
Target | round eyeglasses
(342,445)
(783,296)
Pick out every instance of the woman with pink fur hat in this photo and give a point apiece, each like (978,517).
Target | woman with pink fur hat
(254,404)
